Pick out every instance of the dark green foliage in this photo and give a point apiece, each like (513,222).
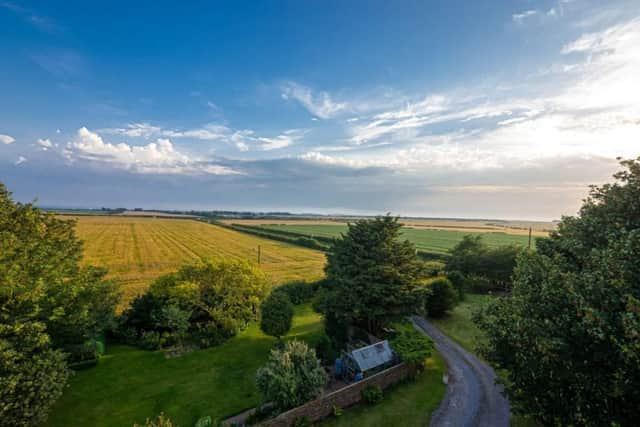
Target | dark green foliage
(326,350)
(372,276)
(569,335)
(282,236)
(442,298)
(50,309)
(32,374)
(202,304)
(457,280)
(372,394)
(292,376)
(276,314)
(473,258)
(299,292)
(412,346)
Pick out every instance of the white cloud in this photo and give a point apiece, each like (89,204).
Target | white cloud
(6,139)
(159,157)
(21,160)
(319,104)
(45,143)
(520,17)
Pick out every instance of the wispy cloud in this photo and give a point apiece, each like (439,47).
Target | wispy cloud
(320,104)
(522,16)
(7,139)
(21,160)
(40,22)
(243,139)
(60,62)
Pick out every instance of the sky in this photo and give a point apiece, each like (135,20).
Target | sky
(492,109)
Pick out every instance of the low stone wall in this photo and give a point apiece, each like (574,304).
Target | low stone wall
(347,396)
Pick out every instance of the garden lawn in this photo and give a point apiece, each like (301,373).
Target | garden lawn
(405,405)
(129,385)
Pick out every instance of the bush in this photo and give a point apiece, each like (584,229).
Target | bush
(276,314)
(292,376)
(472,257)
(326,350)
(150,340)
(202,304)
(412,346)
(442,298)
(372,394)
(457,279)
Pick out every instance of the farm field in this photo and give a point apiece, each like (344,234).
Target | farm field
(428,240)
(129,385)
(539,228)
(138,250)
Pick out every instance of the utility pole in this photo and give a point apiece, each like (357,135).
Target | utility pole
(259,252)
(529,237)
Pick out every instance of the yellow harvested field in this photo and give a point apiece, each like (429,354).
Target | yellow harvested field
(138,250)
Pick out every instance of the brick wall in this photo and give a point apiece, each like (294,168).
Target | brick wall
(347,396)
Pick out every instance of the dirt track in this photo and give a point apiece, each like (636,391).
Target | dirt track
(472,397)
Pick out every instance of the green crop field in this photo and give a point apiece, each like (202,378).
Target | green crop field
(129,385)
(428,240)
(138,250)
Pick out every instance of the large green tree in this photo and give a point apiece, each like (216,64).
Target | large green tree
(372,274)
(569,334)
(50,308)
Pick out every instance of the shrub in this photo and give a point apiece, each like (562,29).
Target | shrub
(442,298)
(457,279)
(276,314)
(150,340)
(472,257)
(412,346)
(372,394)
(326,350)
(203,304)
(292,376)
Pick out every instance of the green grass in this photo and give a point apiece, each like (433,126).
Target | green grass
(407,404)
(129,385)
(428,240)
(459,326)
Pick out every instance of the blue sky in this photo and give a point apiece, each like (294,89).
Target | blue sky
(504,109)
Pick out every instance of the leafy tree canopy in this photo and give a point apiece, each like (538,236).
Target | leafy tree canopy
(569,335)
(442,298)
(292,376)
(49,306)
(372,275)
(276,314)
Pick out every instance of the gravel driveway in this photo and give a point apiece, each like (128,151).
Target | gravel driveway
(472,398)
